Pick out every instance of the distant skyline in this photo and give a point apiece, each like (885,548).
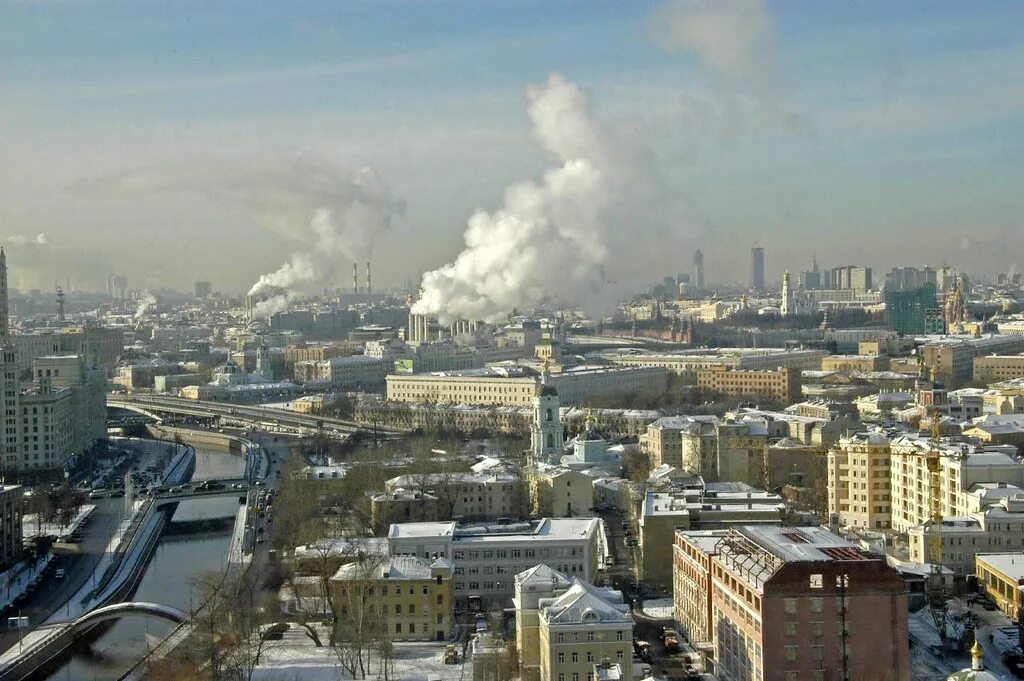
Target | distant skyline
(874,133)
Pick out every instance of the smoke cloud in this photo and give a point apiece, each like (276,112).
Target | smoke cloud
(562,239)
(145,304)
(735,39)
(360,209)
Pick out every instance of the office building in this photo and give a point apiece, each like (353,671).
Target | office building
(907,310)
(1000,575)
(757,268)
(953,357)
(202,289)
(687,363)
(709,506)
(783,603)
(487,557)
(698,270)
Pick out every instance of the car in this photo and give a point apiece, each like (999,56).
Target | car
(116,493)
(176,490)
(260,540)
(59,574)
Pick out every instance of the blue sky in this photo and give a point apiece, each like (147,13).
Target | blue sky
(877,132)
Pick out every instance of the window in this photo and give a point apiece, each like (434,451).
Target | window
(619,636)
(790,605)
(398,627)
(816,604)
(792,676)
(816,628)
(816,581)
(791,653)
(818,652)
(398,608)
(575,657)
(561,658)
(790,628)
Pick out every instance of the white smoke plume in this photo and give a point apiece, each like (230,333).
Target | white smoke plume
(736,39)
(145,305)
(38,240)
(563,238)
(361,208)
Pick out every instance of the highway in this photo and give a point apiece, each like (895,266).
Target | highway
(267,418)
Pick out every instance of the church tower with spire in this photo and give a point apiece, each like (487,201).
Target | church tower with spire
(546,437)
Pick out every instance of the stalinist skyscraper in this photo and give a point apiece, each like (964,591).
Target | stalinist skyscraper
(5,330)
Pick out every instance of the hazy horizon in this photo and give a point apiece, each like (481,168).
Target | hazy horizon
(176,143)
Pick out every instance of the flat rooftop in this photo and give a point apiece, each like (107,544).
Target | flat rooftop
(1009,564)
(798,544)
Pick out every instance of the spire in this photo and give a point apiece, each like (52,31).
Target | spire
(977,657)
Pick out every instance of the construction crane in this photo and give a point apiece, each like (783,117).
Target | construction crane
(936,587)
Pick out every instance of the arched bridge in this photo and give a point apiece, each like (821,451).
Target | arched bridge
(44,645)
(112,612)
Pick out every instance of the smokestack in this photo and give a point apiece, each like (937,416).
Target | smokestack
(355,277)
(368,285)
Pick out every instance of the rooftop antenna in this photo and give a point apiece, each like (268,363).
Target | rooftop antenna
(60,303)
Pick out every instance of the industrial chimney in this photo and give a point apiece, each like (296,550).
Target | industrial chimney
(368,282)
(355,277)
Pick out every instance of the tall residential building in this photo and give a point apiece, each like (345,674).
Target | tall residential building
(698,269)
(757,268)
(783,603)
(859,487)
(203,289)
(10,524)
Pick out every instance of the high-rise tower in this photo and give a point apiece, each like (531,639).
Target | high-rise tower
(698,270)
(757,268)
(5,329)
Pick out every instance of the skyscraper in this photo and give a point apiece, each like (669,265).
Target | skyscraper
(5,330)
(698,269)
(757,267)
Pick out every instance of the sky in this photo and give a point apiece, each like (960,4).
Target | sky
(173,141)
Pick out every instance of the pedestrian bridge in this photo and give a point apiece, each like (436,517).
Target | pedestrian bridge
(44,645)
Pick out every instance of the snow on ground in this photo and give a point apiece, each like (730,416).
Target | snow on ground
(30,526)
(659,608)
(295,658)
(15,580)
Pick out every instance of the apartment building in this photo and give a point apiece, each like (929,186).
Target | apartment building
(469,496)
(556,491)
(711,506)
(855,363)
(582,628)
(346,373)
(487,557)
(859,485)
(402,506)
(663,441)
(953,357)
(794,603)
(781,384)
(961,467)
(998,367)
(692,551)
(411,598)
(531,586)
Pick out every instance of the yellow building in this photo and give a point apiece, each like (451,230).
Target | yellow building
(859,487)
(782,384)
(998,367)
(557,492)
(1001,575)
(411,598)
(851,363)
(580,628)
(532,585)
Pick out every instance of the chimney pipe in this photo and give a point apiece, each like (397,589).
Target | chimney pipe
(368,286)
(355,277)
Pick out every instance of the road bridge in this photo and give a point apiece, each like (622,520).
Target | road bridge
(270,418)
